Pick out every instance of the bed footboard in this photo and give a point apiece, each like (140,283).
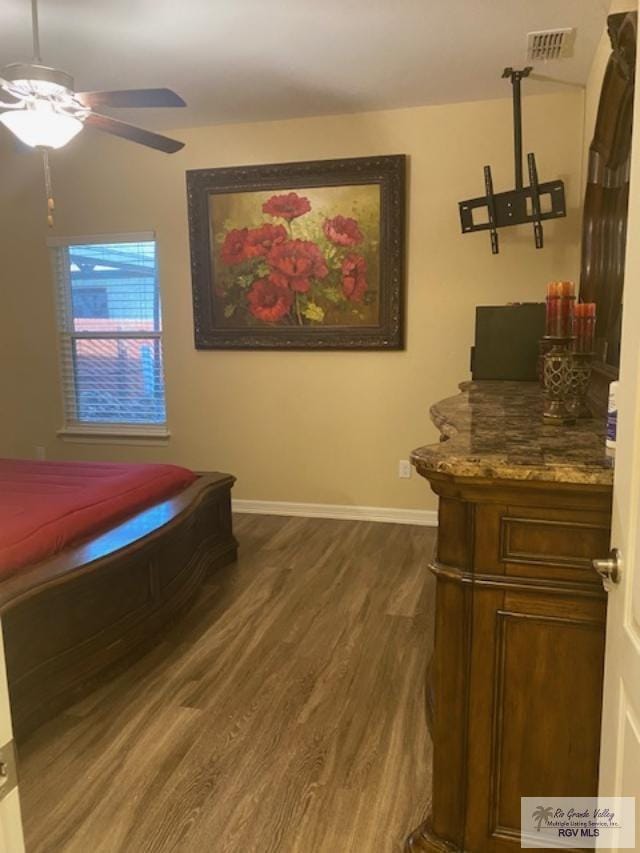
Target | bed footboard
(68,622)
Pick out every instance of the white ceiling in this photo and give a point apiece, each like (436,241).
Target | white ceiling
(249,60)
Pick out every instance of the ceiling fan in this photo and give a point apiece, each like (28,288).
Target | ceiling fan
(39,105)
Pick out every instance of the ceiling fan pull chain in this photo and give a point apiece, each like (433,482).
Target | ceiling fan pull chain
(35,31)
(48,187)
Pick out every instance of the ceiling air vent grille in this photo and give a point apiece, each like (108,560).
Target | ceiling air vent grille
(550,44)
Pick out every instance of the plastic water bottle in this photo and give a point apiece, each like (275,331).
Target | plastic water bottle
(612,416)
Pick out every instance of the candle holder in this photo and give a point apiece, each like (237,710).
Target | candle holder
(579,378)
(557,375)
(544,346)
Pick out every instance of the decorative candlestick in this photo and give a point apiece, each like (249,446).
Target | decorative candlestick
(580,370)
(544,346)
(558,398)
(579,379)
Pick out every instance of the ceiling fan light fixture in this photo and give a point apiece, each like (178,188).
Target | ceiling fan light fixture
(40,126)
(39,88)
(31,78)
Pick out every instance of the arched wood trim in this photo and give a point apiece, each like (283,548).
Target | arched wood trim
(607,192)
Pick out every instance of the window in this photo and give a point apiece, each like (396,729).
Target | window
(110,335)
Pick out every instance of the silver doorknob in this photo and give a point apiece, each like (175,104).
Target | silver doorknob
(611,568)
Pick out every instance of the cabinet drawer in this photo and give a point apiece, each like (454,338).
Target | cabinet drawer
(540,542)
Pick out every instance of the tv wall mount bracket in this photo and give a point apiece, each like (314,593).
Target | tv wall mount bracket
(532,204)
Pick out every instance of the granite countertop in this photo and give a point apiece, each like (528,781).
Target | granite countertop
(495,429)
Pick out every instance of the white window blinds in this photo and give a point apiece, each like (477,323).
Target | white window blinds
(110,333)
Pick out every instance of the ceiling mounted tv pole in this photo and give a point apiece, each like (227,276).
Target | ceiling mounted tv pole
(532,204)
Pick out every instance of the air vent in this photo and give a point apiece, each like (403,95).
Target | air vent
(550,44)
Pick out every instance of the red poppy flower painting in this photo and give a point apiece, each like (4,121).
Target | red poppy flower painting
(260,241)
(296,263)
(312,263)
(342,230)
(233,248)
(286,259)
(268,301)
(288,206)
(354,277)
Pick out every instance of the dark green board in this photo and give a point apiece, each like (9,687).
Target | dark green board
(507,338)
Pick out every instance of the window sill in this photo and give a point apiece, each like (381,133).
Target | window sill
(114,435)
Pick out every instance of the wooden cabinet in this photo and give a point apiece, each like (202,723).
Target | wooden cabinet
(514,686)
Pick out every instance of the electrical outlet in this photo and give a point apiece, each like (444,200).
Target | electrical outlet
(404,469)
(40,452)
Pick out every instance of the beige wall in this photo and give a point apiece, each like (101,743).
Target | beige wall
(317,427)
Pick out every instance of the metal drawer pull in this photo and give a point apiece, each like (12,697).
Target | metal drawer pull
(611,568)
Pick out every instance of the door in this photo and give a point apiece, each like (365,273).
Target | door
(620,746)
(11,840)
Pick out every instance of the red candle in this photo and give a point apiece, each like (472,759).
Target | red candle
(585,326)
(560,300)
(552,306)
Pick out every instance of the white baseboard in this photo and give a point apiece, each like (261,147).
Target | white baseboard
(424,517)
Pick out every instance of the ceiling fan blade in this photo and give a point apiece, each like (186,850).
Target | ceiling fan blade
(131,98)
(133,133)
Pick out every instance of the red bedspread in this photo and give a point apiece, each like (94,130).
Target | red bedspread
(46,506)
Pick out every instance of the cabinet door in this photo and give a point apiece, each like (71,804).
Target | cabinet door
(536,680)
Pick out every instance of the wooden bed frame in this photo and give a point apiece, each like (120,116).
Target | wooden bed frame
(70,620)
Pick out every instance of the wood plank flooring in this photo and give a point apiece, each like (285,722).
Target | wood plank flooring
(284,713)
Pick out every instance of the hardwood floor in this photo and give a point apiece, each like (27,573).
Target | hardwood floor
(284,713)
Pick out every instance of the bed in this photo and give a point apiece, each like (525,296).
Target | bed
(95,560)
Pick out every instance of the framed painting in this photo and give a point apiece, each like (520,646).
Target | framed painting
(299,255)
